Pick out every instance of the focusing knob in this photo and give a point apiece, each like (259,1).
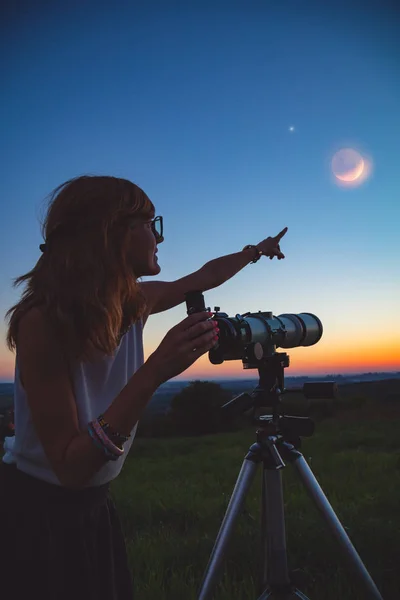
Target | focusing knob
(254,351)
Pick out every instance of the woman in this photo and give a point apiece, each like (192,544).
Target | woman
(81,383)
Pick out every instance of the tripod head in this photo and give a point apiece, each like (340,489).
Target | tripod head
(269,394)
(253,338)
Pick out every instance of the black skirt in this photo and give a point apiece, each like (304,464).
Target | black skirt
(59,544)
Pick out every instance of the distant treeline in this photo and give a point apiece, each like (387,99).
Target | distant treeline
(196,408)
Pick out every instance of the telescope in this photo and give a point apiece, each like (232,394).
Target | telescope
(254,338)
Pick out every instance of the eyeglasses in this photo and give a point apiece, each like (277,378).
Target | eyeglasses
(156,225)
(157,228)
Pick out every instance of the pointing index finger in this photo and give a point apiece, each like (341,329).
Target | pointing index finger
(281,234)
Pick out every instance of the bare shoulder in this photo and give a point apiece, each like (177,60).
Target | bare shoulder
(33,321)
(45,376)
(36,341)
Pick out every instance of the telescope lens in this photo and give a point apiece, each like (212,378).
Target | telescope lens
(304,329)
(239,335)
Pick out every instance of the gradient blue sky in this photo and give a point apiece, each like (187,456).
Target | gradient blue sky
(193,102)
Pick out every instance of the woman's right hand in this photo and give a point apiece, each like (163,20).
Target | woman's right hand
(183,345)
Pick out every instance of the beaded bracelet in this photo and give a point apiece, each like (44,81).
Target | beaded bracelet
(113,448)
(116,437)
(97,442)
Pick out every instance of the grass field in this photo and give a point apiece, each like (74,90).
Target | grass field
(172,495)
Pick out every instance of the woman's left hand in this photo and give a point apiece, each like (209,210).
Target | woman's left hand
(270,246)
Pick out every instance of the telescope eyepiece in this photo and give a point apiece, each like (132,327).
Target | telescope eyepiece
(194,302)
(253,336)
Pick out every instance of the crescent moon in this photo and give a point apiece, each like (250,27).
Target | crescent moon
(353,174)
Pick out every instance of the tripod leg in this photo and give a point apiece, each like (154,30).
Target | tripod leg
(242,486)
(354,561)
(275,567)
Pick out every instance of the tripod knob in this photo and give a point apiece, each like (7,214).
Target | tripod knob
(253,352)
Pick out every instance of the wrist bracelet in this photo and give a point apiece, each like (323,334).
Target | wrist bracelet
(257,253)
(101,440)
(117,450)
(117,438)
(99,444)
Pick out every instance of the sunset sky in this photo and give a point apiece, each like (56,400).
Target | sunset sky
(228,115)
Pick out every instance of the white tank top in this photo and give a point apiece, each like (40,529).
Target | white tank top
(96,384)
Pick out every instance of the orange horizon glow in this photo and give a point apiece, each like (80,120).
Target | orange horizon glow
(234,369)
(326,357)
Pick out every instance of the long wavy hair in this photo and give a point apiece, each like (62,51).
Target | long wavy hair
(83,280)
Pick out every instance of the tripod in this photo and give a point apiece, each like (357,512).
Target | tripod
(278,439)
